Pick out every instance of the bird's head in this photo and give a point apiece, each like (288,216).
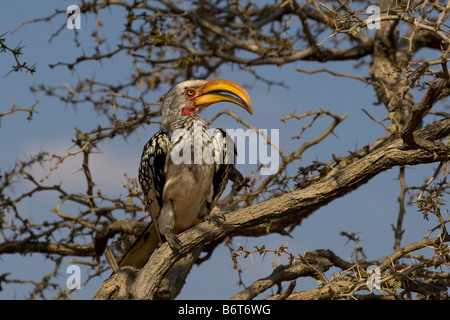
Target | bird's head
(190,97)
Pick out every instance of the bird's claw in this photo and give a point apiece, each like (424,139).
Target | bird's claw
(216,218)
(173,241)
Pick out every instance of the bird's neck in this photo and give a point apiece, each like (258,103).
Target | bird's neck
(183,122)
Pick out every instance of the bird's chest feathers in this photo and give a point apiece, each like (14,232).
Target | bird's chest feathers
(188,189)
(188,182)
(189,173)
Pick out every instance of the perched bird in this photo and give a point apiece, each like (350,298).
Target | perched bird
(184,169)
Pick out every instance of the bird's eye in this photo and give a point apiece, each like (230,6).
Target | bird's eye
(190,92)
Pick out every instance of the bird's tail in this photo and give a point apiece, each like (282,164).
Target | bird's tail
(139,252)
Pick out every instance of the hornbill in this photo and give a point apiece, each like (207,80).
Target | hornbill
(184,169)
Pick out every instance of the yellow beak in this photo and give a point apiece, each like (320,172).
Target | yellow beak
(218,90)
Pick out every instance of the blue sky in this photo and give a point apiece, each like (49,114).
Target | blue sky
(370,210)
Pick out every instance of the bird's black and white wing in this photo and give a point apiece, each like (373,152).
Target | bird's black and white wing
(152,173)
(152,179)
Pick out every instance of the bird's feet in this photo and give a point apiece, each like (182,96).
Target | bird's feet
(172,240)
(216,218)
